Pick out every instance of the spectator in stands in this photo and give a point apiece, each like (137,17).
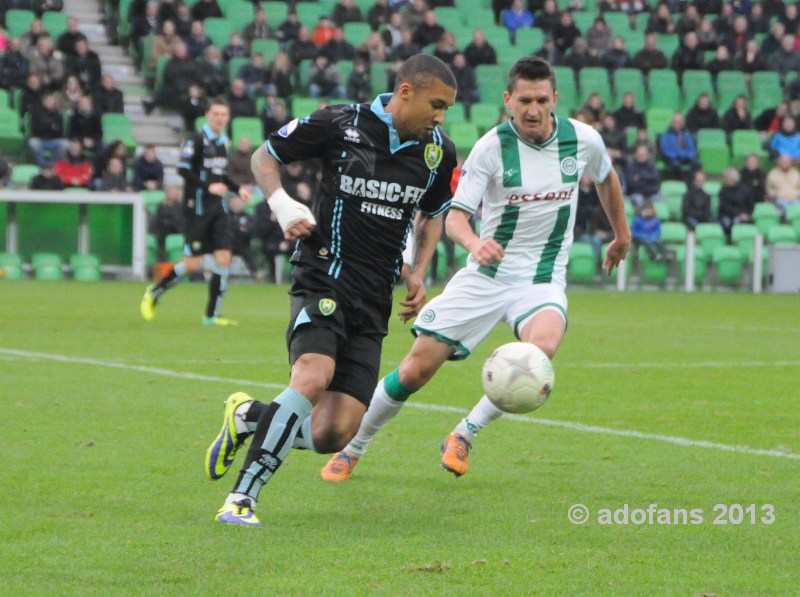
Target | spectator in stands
(303,48)
(323,32)
(678,149)
(702,115)
(615,140)
(550,52)
(66,41)
(786,140)
(358,83)
(650,56)
(467,85)
(517,17)
(239,170)
(688,56)
(735,202)
(115,149)
(239,102)
(769,121)
(646,232)
(660,20)
(183,21)
(566,33)
(31,95)
(617,56)
(270,237)
(274,115)
(74,169)
(164,43)
(14,65)
(737,37)
(790,17)
(47,63)
(784,61)
(628,115)
(379,14)
(783,183)
(258,29)
(722,61)
(429,31)
(479,51)
(279,76)
(148,171)
(498,6)
(580,57)
(197,40)
(346,11)
(696,204)
(338,48)
(772,43)
(254,75)
(235,48)
(145,25)
(751,60)
(289,30)
(243,227)
(325,79)
(594,110)
(707,37)
(168,219)
(407,47)
(179,73)
(757,21)
(598,37)
(300,181)
(641,178)
(549,18)
(113,177)
(689,20)
(194,106)
(86,65)
(392,33)
(47,179)
(168,10)
(71,91)
(373,49)
(446,48)
(213,72)
(85,125)
(206,8)
(5,172)
(31,37)
(709,7)
(107,98)
(47,141)
(737,117)
(754,178)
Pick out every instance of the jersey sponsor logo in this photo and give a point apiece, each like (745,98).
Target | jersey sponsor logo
(379,189)
(217,164)
(288,128)
(515,198)
(327,306)
(427,316)
(188,150)
(433,156)
(352,135)
(394,213)
(569,166)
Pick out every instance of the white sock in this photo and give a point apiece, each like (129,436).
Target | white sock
(240,418)
(382,409)
(238,497)
(481,415)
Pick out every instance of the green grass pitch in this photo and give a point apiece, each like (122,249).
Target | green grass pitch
(681,401)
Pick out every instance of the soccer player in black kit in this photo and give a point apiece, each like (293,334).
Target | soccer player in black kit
(204,160)
(386,166)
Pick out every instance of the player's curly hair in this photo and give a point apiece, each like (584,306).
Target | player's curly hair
(422,70)
(530,68)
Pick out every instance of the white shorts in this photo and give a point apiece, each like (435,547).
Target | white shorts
(472,304)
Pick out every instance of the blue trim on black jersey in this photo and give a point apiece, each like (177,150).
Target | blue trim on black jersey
(268,147)
(336,238)
(221,140)
(358,113)
(386,117)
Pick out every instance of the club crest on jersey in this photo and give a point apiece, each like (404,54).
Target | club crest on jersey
(288,128)
(569,166)
(427,316)
(433,156)
(327,306)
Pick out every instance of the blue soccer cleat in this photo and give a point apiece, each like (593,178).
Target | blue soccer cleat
(240,513)
(220,453)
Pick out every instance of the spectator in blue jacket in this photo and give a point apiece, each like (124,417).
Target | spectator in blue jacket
(646,232)
(787,140)
(517,17)
(678,150)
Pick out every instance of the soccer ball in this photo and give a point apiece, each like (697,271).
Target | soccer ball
(518,377)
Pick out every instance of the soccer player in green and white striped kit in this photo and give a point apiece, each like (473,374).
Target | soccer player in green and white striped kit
(525,172)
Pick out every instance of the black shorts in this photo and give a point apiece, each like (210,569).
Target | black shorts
(351,334)
(208,232)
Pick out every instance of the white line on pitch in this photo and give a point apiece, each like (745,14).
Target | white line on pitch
(680,441)
(662,365)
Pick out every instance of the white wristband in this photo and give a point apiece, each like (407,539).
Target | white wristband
(288,211)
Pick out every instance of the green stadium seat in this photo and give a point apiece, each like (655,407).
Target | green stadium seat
(266,47)
(173,245)
(47,266)
(658,120)
(485,115)
(675,205)
(781,234)
(276,12)
(619,22)
(728,265)
(18,21)
(652,271)
(356,33)
(482,17)
(765,216)
(594,79)
(490,78)
(455,113)
(464,135)
(629,79)
(662,210)
(21,174)
(118,126)
(160,66)
(584,20)
(55,23)
(238,12)
(743,238)
(529,40)
(730,83)
(695,83)
(673,234)
(497,36)
(85,268)
(793,217)
(235,65)
(152,199)
(713,150)
(11,264)
(582,265)
(663,90)
(12,141)
(709,236)
(303,106)
(452,19)
(745,142)
(668,43)
(700,265)
(247,126)
(767,90)
(219,30)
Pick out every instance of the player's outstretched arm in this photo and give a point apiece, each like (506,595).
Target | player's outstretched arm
(484,251)
(613,202)
(295,219)
(427,231)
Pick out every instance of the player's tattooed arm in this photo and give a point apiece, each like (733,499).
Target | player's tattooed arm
(266,171)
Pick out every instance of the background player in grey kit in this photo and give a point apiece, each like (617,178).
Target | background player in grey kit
(386,165)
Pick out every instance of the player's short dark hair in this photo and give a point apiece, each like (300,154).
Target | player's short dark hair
(530,68)
(217,101)
(421,70)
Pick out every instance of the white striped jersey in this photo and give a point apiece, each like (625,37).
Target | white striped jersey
(529,194)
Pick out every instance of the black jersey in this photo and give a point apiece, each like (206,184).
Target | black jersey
(204,160)
(372,185)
